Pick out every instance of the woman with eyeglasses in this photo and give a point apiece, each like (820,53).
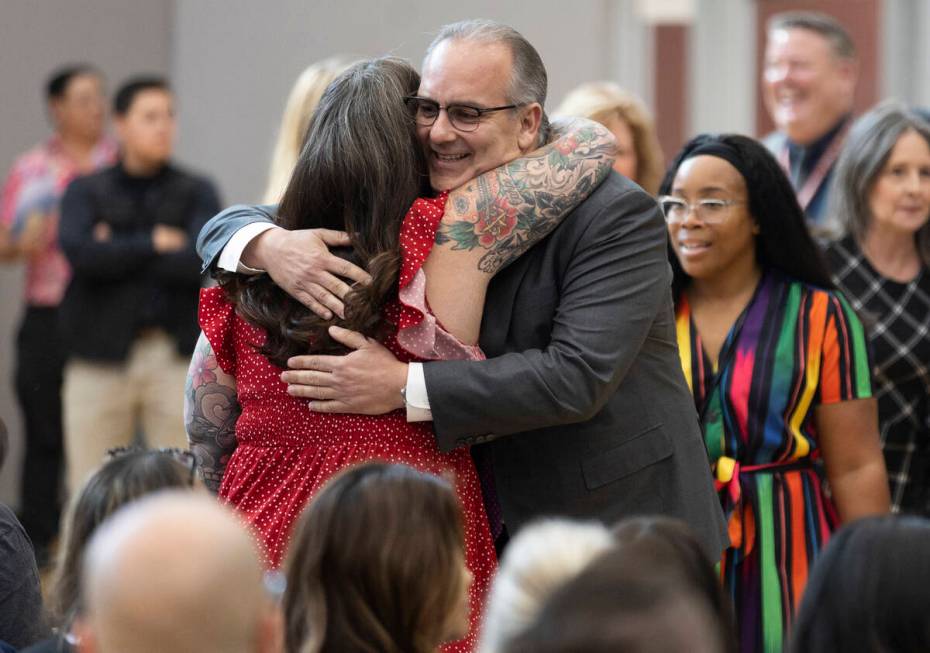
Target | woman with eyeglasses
(881,261)
(363,171)
(777,363)
(128,474)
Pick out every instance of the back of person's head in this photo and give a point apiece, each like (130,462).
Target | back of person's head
(783,242)
(376,564)
(622,601)
(606,102)
(360,171)
(865,153)
(869,590)
(125,477)
(529,80)
(841,43)
(130,90)
(301,103)
(680,550)
(174,572)
(539,559)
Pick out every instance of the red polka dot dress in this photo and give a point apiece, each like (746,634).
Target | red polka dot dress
(285,452)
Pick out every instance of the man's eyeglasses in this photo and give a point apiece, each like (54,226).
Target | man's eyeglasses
(463,117)
(182,456)
(708,211)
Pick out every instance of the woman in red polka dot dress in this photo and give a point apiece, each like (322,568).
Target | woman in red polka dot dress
(363,171)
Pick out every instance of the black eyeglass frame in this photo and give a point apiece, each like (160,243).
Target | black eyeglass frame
(468,128)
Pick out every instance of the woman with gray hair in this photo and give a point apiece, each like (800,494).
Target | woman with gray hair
(541,558)
(881,200)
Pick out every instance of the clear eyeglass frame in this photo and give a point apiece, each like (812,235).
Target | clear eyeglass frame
(708,210)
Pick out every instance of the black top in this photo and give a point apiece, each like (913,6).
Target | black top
(21,620)
(896,317)
(122,285)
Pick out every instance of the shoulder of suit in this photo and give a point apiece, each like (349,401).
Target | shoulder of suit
(617,189)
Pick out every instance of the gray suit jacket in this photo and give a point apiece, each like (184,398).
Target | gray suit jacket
(582,402)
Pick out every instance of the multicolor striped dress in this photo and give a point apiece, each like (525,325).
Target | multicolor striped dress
(793,348)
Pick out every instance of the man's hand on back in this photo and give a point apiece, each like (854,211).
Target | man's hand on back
(367,381)
(301,264)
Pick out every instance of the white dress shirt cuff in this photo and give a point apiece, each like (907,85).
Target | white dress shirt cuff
(417,399)
(232,253)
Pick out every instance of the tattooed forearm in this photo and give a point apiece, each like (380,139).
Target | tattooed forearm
(211,409)
(507,210)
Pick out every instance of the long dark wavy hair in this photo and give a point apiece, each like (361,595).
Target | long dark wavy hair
(360,169)
(784,242)
(373,564)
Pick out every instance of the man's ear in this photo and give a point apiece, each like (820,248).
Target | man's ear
(848,70)
(530,121)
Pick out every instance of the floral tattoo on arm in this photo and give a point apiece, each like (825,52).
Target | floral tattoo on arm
(507,210)
(211,409)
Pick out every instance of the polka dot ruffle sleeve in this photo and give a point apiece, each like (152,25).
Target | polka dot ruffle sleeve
(216,316)
(418,330)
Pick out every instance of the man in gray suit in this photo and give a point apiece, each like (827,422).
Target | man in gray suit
(581,409)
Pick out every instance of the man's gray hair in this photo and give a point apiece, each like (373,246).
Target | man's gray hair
(865,153)
(528,83)
(814,21)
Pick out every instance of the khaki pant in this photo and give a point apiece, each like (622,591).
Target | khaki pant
(105,404)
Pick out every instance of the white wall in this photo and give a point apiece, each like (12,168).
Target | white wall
(722,67)
(905,51)
(121,38)
(235,61)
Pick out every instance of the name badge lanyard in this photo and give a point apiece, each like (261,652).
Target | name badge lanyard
(821,170)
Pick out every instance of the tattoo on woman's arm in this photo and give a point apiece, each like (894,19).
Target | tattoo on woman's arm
(509,209)
(211,409)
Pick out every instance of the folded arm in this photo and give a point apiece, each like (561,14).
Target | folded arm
(183,265)
(211,408)
(112,258)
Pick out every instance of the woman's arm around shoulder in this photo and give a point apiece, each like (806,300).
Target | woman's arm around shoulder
(493,219)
